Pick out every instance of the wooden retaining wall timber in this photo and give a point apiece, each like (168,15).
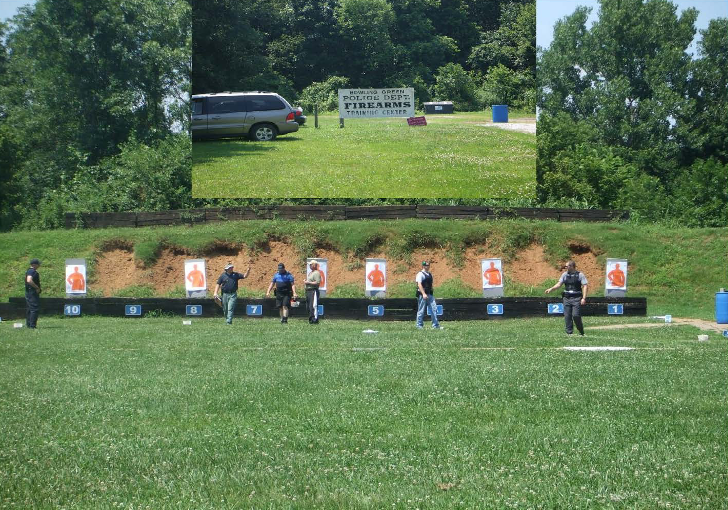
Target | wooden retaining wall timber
(350,308)
(332,212)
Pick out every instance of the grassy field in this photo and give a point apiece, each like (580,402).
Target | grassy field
(451,157)
(677,269)
(148,413)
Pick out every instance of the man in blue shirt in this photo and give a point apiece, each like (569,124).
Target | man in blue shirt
(285,289)
(32,294)
(228,282)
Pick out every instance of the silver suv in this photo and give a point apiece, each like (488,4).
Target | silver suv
(260,115)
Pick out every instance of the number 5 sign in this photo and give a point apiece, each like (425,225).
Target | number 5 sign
(375,311)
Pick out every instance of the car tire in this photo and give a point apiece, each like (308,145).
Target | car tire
(263,133)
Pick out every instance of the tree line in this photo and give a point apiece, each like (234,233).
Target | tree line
(472,52)
(630,118)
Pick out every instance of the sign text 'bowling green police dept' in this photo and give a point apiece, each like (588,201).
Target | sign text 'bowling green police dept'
(368,103)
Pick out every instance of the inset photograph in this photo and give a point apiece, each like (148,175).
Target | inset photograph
(633,106)
(363,99)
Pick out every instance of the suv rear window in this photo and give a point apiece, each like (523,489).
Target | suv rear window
(197,107)
(264,103)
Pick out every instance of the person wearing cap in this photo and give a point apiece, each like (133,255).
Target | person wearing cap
(426,297)
(575,287)
(228,283)
(313,282)
(32,294)
(285,290)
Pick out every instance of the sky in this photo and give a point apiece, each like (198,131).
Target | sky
(9,8)
(548,12)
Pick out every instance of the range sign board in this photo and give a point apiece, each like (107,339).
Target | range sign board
(369,103)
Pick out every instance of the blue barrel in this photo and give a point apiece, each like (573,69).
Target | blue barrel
(500,112)
(721,307)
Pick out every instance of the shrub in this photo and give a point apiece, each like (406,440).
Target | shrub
(324,94)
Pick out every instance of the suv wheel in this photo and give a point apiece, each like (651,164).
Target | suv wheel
(263,133)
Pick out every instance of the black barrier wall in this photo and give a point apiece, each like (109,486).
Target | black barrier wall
(357,309)
(333,212)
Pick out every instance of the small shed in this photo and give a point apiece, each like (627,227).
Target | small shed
(439,107)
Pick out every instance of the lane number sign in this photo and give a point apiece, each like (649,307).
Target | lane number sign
(556,307)
(133,310)
(254,310)
(439,310)
(495,309)
(193,309)
(375,311)
(615,309)
(72,310)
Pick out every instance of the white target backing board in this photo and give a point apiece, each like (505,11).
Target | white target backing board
(491,273)
(324,270)
(375,279)
(615,280)
(75,277)
(195,278)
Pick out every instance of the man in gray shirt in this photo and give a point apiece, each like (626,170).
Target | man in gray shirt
(575,284)
(313,282)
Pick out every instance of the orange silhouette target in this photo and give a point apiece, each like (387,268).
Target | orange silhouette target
(76,280)
(376,277)
(616,276)
(196,277)
(493,275)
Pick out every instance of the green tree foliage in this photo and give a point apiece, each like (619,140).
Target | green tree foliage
(513,44)
(365,27)
(453,83)
(325,94)
(290,45)
(81,80)
(626,110)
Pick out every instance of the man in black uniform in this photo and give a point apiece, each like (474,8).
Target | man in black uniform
(228,281)
(285,289)
(32,294)
(575,284)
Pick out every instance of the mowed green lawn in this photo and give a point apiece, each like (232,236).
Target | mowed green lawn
(452,157)
(148,413)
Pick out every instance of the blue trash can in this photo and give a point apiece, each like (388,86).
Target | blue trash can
(500,112)
(721,307)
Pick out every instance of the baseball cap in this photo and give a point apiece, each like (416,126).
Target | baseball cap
(425,263)
(229,266)
(35,261)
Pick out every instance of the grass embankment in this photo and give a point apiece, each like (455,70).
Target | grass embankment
(452,157)
(678,270)
(107,413)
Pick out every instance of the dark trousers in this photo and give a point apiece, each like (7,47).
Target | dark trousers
(312,299)
(572,313)
(32,307)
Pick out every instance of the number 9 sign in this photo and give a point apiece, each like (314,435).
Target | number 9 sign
(133,310)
